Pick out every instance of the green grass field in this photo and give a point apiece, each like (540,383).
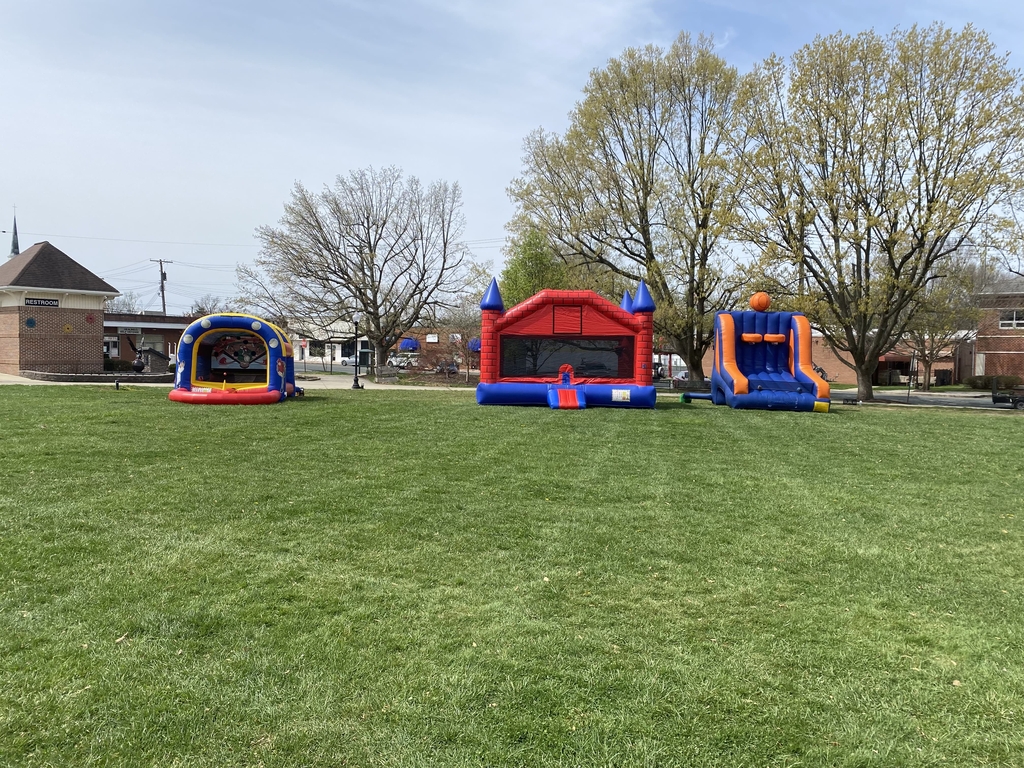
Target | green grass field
(407,579)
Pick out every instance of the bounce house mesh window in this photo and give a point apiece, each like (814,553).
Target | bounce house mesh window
(526,356)
(236,358)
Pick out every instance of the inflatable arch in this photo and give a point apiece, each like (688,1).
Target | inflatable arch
(231,358)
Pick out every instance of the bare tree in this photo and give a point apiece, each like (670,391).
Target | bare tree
(208,304)
(459,323)
(128,303)
(945,308)
(377,245)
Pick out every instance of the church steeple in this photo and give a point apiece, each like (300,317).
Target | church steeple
(15,250)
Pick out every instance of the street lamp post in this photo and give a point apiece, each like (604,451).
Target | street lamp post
(355,379)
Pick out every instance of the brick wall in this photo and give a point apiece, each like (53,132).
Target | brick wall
(1003,347)
(60,341)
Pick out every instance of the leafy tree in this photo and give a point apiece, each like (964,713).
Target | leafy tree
(377,245)
(1007,241)
(867,162)
(532,266)
(698,156)
(639,183)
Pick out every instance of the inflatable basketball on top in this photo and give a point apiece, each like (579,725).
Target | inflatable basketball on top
(760,302)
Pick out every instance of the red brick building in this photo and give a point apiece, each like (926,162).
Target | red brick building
(1000,347)
(51,313)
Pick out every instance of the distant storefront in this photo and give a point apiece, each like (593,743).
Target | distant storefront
(155,337)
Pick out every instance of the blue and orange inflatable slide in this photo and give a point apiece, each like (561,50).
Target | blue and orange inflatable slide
(763,361)
(234,359)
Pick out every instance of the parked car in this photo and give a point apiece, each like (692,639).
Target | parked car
(1013,397)
(403,361)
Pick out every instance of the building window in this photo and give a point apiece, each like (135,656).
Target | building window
(1011,318)
(111,347)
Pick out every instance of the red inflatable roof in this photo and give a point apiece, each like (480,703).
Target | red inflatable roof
(567,313)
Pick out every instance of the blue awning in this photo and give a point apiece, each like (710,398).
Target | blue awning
(474,345)
(408,345)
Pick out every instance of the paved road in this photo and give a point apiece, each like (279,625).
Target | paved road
(942,399)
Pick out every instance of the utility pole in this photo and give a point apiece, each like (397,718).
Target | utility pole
(163,279)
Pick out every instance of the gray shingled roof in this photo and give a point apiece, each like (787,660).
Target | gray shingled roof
(46,266)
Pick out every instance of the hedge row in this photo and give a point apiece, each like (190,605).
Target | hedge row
(985,382)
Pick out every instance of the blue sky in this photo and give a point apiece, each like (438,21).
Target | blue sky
(135,130)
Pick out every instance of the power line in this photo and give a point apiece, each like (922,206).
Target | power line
(148,242)
(481,243)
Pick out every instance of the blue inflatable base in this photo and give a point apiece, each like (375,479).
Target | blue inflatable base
(763,399)
(593,395)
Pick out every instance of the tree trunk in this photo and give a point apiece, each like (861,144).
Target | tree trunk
(865,389)
(926,385)
(695,365)
(686,349)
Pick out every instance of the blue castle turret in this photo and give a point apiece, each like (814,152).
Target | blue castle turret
(642,301)
(492,298)
(627,302)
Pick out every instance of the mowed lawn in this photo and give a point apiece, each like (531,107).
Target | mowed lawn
(408,579)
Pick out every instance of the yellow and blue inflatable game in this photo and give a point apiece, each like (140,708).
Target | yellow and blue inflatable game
(763,361)
(234,359)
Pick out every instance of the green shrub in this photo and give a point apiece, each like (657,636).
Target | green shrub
(985,382)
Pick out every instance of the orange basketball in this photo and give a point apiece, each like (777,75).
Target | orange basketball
(760,301)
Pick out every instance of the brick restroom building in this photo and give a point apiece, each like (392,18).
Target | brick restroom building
(51,313)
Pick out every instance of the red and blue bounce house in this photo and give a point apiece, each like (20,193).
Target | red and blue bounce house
(567,350)
(763,362)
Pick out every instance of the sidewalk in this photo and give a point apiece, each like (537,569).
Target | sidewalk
(344,381)
(339,381)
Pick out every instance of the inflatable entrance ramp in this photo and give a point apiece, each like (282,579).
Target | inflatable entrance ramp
(763,361)
(234,359)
